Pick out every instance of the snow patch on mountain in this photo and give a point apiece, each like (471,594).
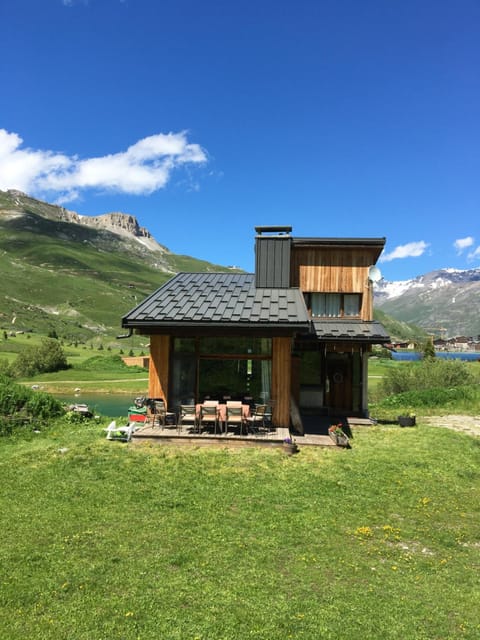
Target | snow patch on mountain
(448,277)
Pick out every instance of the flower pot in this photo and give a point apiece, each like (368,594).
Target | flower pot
(340,440)
(289,449)
(406,421)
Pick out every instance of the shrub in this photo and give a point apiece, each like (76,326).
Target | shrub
(18,404)
(431,373)
(47,357)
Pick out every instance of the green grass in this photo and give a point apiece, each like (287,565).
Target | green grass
(73,278)
(106,540)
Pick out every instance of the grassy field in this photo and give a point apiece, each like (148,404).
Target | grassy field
(108,379)
(108,540)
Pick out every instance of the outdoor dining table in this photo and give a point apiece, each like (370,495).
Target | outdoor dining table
(221,413)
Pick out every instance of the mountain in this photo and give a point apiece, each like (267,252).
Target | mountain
(445,302)
(77,275)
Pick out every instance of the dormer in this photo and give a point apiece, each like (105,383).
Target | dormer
(333,274)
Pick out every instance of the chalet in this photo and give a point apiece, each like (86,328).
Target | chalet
(297,332)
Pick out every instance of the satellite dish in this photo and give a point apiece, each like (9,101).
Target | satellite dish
(374,274)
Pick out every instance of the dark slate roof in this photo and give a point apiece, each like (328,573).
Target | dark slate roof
(223,299)
(344,330)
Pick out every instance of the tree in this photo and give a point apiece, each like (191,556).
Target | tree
(428,350)
(47,357)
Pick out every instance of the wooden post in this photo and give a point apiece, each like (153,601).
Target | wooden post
(281,380)
(159,367)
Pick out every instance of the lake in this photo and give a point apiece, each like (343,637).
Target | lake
(445,355)
(105,404)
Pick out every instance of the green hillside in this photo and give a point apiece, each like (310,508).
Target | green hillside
(398,330)
(62,275)
(70,278)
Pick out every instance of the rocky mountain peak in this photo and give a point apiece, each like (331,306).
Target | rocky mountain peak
(122,223)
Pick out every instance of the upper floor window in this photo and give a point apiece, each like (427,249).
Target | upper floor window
(334,305)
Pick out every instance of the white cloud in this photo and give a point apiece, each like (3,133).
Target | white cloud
(143,168)
(463,243)
(409,250)
(474,255)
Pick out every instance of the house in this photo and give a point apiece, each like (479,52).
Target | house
(297,332)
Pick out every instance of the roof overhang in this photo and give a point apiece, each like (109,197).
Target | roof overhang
(371,332)
(375,245)
(219,329)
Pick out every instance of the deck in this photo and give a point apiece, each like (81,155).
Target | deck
(316,435)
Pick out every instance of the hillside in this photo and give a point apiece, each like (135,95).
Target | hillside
(445,303)
(77,275)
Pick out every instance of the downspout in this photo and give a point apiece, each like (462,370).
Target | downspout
(127,335)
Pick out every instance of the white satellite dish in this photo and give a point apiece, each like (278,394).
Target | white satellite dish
(374,274)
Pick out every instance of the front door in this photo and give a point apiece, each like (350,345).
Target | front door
(339,383)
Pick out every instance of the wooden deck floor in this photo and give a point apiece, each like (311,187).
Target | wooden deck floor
(173,435)
(316,435)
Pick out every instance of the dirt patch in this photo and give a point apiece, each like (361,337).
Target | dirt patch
(466,424)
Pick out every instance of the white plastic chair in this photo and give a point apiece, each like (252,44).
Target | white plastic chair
(120,433)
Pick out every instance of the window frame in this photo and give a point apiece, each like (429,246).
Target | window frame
(342,296)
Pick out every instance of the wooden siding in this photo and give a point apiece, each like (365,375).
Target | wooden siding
(159,367)
(281,380)
(339,270)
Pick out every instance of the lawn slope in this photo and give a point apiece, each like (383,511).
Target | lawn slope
(106,540)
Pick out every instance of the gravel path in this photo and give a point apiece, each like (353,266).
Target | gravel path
(467,424)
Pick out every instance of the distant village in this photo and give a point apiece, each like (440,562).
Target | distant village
(457,344)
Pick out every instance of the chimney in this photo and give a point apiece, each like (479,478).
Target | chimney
(272,257)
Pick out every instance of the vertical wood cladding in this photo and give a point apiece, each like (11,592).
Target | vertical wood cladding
(159,367)
(281,380)
(334,270)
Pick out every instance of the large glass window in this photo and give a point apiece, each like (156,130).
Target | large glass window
(183,378)
(257,346)
(333,305)
(236,378)
(218,367)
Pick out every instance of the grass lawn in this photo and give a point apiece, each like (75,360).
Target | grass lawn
(105,540)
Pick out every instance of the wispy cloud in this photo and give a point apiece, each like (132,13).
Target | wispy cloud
(474,255)
(463,243)
(409,250)
(143,168)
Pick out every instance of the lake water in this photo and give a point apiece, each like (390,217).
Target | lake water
(104,404)
(445,355)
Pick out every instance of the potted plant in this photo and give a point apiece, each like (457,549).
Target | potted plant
(290,446)
(407,419)
(338,435)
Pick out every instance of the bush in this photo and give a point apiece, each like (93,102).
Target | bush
(431,373)
(19,405)
(47,357)
(112,363)
(103,363)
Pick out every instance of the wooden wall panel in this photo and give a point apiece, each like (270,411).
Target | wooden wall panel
(159,367)
(281,380)
(334,271)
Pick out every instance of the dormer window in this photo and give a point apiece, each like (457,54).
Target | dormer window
(334,305)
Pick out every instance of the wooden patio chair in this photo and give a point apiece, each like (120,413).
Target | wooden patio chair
(187,416)
(234,416)
(209,416)
(165,418)
(257,420)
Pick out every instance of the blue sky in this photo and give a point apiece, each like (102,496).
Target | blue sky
(206,118)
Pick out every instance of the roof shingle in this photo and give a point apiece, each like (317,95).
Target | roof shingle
(222,298)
